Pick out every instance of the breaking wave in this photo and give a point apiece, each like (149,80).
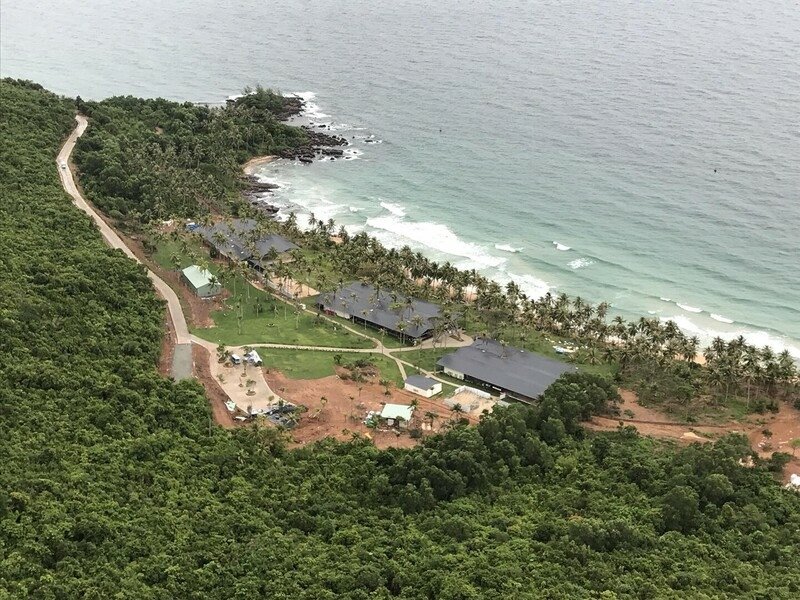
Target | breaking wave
(311,109)
(561,247)
(687,308)
(721,319)
(508,248)
(394,231)
(580,263)
(394,208)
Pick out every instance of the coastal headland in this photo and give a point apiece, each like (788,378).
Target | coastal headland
(354,460)
(556,327)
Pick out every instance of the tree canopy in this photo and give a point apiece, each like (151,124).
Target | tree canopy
(156,159)
(115,485)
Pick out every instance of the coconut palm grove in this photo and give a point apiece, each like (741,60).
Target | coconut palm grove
(116,482)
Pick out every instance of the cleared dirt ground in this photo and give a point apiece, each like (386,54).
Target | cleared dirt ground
(343,412)
(782,427)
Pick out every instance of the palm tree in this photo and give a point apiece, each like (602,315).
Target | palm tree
(431,417)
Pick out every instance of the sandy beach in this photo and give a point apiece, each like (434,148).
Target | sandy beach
(251,165)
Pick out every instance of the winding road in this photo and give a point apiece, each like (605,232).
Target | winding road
(182,358)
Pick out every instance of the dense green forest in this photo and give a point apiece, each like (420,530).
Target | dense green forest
(156,159)
(115,485)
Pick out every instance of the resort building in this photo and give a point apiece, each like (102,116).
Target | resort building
(238,241)
(511,371)
(201,281)
(397,414)
(362,303)
(422,386)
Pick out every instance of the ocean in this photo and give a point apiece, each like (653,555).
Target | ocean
(647,154)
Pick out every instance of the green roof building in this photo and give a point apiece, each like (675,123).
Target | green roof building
(201,281)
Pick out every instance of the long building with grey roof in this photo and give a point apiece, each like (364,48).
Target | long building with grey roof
(518,373)
(403,317)
(237,240)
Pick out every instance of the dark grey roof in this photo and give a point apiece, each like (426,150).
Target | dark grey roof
(360,300)
(424,383)
(237,238)
(519,372)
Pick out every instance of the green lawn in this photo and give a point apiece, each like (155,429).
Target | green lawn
(315,364)
(424,359)
(266,319)
(168,249)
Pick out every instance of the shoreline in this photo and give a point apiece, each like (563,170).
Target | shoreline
(780,341)
(254,163)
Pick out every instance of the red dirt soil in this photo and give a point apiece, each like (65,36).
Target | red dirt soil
(167,347)
(341,417)
(784,426)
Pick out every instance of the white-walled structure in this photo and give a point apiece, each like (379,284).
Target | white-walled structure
(422,386)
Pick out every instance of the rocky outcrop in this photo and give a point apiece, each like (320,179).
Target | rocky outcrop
(318,144)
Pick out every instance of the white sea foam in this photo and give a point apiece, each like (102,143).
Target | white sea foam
(753,337)
(561,247)
(687,308)
(311,108)
(580,263)
(353,209)
(394,208)
(721,319)
(352,153)
(531,285)
(508,248)
(663,299)
(282,184)
(330,126)
(434,236)
(312,200)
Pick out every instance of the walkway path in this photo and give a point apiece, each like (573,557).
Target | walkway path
(182,358)
(181,367)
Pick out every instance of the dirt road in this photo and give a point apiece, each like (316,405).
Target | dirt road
(111,237)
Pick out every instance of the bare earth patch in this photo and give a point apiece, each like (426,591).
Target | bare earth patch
(344,412)
(782,427)
(167,347)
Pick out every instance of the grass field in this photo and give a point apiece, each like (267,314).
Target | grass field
(264,319)
(424,359)
(315,364)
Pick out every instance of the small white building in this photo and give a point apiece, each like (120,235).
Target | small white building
(202,281)
(422,386)
(253,358)
(398,414)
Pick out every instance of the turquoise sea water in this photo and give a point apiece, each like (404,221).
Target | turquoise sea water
(659,142)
